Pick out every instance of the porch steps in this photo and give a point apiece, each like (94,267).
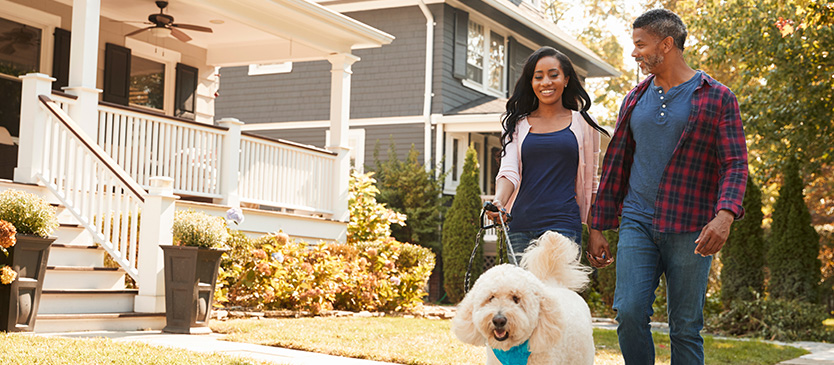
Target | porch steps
(73,322)
(79,292)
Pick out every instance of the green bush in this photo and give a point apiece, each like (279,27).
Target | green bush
(743,256)
(28,213)
(193,228)
(773,319)
(408,187)
(369,220)
(459,230)
(794,244)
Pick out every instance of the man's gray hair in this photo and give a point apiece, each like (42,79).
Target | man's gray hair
(663,23)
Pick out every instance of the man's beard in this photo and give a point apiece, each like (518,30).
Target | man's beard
(650,62)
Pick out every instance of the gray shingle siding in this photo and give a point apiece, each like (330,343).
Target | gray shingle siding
(386,82)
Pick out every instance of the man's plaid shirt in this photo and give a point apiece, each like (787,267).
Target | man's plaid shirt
(707,171)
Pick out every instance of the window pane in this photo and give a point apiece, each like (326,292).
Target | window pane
(475,53)
(20,48)
(496,61)
(147,83)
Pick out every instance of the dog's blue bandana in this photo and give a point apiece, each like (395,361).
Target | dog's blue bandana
(516,355)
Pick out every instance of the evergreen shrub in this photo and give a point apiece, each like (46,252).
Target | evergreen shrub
(743,255)
(460,228)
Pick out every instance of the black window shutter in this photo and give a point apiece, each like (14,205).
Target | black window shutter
(185,91)
(61,58)
(116,74)
(461,33)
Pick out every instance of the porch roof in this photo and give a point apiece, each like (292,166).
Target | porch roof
(256,31)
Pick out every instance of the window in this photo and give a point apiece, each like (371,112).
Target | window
(20,53)
(268,69)
(475,53)
(356,142)
(147,83)
(485,60)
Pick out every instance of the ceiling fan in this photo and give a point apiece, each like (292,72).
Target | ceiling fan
(18,39)
(163,25)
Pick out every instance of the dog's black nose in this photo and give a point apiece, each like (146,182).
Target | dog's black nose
(499,320)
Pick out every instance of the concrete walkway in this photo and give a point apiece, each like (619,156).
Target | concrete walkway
(821,353)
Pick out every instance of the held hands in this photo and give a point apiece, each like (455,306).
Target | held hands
(714,234)
(599,254)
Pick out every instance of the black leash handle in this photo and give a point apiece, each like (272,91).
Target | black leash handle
(488,206)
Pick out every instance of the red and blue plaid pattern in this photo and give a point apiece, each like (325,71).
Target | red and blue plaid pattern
(707,171)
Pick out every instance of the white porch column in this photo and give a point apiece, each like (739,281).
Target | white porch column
(339,123)
(230,162)
(156,224)
(32,125)
(84,63)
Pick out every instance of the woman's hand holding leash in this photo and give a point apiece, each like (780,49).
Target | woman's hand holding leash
(494,209)
(599,255)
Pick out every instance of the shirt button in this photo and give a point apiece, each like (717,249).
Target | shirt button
(660,91)
(661,98)
(662,114)
(664,106)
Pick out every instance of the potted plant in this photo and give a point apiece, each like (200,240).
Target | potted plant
(26,223)
(191,267)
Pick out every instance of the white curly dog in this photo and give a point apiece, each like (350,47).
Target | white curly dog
(533,313)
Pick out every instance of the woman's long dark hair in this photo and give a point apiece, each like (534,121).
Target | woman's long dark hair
(524,100)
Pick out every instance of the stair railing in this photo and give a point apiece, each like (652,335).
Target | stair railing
(98,192)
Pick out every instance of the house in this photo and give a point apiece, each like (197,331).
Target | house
(108,111)
(441,85)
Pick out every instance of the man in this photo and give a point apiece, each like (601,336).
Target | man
(675,172)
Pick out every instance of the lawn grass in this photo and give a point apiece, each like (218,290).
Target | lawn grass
(430,342)
(19,348)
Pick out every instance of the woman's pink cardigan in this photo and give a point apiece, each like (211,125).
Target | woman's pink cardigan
(587,179)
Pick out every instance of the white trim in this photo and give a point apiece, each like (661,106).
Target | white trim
(372,5)
(356,142)
(363,122)
(453,177)
(162,55)
(44,21)
(270,69)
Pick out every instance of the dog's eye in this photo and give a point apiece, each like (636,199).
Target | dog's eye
(516,299)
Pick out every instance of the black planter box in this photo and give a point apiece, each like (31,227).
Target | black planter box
(190,278)
(19,300)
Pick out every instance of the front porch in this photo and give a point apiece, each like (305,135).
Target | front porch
(138,138)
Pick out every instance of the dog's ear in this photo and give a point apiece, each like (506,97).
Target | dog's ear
(463,326)
(548,330)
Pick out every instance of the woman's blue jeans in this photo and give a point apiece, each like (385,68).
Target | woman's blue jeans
(643,254)
(521,240)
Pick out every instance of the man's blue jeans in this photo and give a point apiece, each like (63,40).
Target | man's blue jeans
(643,254)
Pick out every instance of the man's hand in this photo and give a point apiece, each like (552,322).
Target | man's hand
(599,255)
(714,234)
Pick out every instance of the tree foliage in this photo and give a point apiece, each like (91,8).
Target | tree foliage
(409,188)
(794,244)
(460,227)
(776,55)
(743,255)
(369,220)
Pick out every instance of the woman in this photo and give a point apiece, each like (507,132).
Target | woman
(548,131)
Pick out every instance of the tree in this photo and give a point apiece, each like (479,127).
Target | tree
(409,188)
(776,57)
(459,230)
(369,220)
(743,256)
(794,244)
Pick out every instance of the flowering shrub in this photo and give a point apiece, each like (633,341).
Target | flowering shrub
(28,213)
(192,228)
(7,239)
(274,272)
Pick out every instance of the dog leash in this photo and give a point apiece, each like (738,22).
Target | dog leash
(488,206)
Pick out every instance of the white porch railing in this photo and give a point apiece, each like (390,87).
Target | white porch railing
(148,145)
(92,186)
(285,174)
